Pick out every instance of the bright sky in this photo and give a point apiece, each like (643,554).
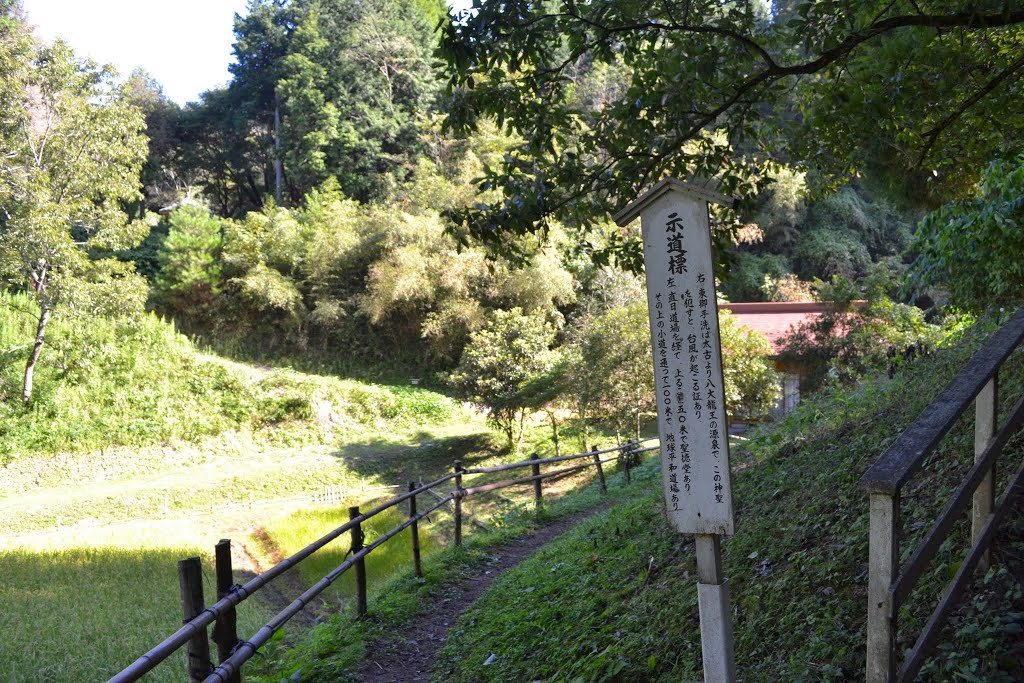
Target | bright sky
(184,44)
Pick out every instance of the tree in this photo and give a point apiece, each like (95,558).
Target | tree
(320,89)
(190,269)
(164,177)
(73,149)
(613,371)
(716,88)
(498,364)
(972,248)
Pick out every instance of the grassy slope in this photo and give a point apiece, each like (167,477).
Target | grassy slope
(104,384)
(615,600)
(328,653)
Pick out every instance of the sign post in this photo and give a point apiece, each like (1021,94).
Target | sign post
(690,395)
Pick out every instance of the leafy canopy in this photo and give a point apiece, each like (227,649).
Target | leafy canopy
(925,90)
(73,148)
(973,248)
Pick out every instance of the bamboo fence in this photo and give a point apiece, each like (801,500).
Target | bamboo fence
(233,652)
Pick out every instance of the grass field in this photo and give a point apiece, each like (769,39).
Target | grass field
(287,535)
(83,613)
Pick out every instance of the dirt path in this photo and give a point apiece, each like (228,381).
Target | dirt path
(411,656)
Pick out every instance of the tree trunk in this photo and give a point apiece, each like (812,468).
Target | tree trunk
(278,168)
(554,430)
(638,418)
(510,433)
(37,348)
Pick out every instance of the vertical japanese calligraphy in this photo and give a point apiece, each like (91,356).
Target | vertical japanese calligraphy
(687,363)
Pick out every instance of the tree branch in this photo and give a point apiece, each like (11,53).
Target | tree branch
(932,135)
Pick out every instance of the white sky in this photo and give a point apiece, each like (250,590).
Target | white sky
(184,44)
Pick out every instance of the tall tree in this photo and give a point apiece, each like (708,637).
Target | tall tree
(927,88)
(73,149)
(163,176)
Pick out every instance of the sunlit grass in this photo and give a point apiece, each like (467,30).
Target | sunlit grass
(285,536)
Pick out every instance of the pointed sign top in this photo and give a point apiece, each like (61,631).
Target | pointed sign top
(635,208)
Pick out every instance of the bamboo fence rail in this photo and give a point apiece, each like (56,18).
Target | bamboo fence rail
(232,655)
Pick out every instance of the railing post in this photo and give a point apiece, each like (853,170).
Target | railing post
(986,418)
(883,559)
(225,630)
(356,546)
(458,502)
(197,653)
(417,567)
(538,487)
(600,471)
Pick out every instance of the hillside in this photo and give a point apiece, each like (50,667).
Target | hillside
(107,383)
(616,599)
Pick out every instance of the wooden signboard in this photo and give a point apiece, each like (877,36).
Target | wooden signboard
(687,351)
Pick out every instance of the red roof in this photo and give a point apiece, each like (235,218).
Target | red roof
(774,319)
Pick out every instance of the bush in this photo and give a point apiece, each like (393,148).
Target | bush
(847,342)
(826,253)
(752,386)
(973,248)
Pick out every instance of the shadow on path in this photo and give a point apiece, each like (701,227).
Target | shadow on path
(411,655)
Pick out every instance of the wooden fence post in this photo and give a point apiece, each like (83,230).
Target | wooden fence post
(883,564)
(458,502)
(986,418)
(197,653)
(417,567)
(225,630)
(356,546)
(626,453)
(600,471)
(538,486)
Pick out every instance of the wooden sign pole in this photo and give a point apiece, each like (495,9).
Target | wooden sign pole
(713,603)
(689,387)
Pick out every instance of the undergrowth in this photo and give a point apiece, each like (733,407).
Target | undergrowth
(105,383)
(615,600)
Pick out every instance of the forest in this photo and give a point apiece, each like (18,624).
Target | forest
(383,185)
(392,227)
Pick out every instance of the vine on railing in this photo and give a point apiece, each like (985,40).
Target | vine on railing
(233,653)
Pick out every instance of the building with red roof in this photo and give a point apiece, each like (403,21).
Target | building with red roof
(775,320)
